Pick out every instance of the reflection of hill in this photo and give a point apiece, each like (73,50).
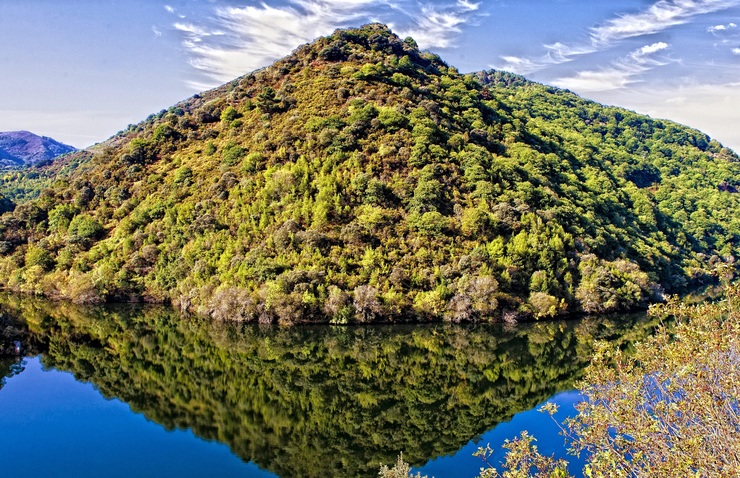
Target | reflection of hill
(316,401)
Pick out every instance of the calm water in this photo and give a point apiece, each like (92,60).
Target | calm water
(144,392)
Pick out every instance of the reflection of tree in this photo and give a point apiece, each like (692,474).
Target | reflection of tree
(317,401)
(12,332)
(10,366)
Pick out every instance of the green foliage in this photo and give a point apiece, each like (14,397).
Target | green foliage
(566,204)
(85,227)
(523,460)
(320,401)
(232,154)
(229,114)
(38,256)
(400,470)
(61,216)
(671,409)
(183,175)
(609,286)
(430,224)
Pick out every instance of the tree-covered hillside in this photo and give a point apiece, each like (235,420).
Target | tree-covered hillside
(361,180)
(23,148)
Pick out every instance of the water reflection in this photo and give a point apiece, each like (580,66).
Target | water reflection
(313,401)
(12,331)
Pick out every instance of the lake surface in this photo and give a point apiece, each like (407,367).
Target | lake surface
(142,391)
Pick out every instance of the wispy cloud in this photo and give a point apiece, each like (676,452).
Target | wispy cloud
(736,51)
(171,9)
(435,25)
(520,64)
(556,53)
(658,17)
(619,74)
(241,39)
(195,32)
(561,53)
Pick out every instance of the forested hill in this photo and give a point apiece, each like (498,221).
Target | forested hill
(361,180)
(23,148)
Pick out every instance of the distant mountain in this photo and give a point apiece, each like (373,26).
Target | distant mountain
(361,180)
(23,148)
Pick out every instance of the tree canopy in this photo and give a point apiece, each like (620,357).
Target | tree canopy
(361,180)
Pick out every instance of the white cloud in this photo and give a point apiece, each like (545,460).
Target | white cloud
(171,9)
(156,31)
(519,65)
(196,33)
(660,16)
(611,78)
(557,53)
(720,28)
(621,73)
(254,36)
(241,39)
(648,49)
(468,5)
(561,53)
(435,27)
(736,51)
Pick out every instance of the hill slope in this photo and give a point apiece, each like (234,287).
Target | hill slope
(360,179)
(22,148)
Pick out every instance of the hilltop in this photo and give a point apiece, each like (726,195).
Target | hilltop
(361,180)
(22,148)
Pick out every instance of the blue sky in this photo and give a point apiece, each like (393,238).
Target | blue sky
(80,71)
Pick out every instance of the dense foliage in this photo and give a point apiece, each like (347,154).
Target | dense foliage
(315,401)
(669,408)
(673,408)
(361,180)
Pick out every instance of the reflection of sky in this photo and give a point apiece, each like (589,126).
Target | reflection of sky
(540,425)
(53,426)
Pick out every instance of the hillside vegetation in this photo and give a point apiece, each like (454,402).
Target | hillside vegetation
(23,148)
(361,180)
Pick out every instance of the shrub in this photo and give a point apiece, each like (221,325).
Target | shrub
(229,114)
(38,256)
(85,227)
(400,470)
(233,153)
(543,304)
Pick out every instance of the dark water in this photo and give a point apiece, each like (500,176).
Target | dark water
(130,391)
